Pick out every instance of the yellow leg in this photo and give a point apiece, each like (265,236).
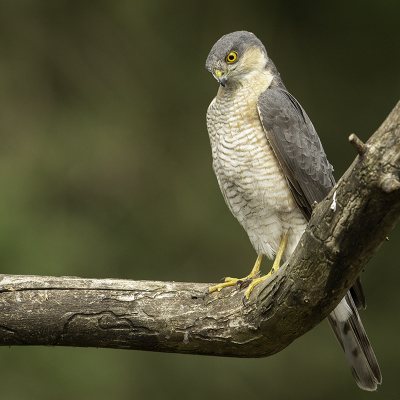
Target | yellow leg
(274,268)
(234,281)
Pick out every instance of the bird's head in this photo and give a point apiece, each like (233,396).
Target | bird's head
(236,57)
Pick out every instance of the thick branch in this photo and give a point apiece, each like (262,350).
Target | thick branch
(345,231)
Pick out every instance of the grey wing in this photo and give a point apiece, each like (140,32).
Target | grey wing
(309,174)
(300,153)
(297,147)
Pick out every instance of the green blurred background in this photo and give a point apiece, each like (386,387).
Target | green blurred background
(105,171)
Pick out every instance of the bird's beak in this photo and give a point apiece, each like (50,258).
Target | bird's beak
(222,77)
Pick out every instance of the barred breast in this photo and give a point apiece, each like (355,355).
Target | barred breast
(249,175)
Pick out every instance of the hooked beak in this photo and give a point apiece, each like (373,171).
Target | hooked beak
(222,77)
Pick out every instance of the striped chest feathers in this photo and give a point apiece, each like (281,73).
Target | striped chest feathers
(243,159)
(238,141)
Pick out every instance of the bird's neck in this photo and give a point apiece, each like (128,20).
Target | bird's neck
(253,84)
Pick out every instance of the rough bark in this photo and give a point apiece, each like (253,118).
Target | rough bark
(345,231)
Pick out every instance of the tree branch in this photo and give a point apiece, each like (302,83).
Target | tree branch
(345,231)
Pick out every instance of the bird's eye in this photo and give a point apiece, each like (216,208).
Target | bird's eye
(231,57)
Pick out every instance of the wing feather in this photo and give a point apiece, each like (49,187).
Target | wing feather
(302,158)
(297,147)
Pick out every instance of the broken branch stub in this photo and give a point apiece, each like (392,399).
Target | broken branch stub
(173,317)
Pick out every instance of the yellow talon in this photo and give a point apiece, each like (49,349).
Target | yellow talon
(254,272)
(274,268)
(234,281)
(220,286)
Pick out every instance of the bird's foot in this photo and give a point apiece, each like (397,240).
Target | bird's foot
(239,283)
(226,282)
(274,268)
(253,284)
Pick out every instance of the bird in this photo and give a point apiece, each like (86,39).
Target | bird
(271,169)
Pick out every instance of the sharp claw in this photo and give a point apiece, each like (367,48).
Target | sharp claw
(223,279)
(245,283)
(244,299)
(205,293)
(238,285)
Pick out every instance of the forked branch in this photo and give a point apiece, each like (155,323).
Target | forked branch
(174,317)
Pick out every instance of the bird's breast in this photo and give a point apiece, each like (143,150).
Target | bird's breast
(243,160)
(248,172)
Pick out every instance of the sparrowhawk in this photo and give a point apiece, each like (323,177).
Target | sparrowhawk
(271,169)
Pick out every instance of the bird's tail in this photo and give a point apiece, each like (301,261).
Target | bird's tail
(349,331)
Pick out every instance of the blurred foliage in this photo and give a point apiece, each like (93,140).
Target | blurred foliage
(105,171)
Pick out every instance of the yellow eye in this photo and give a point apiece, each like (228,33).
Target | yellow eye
(231,57)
